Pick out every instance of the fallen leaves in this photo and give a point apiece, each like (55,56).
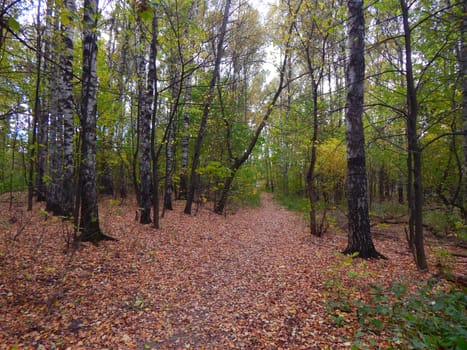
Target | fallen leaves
(249,280)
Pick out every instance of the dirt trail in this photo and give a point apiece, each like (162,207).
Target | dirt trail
(245,280)
(251,280)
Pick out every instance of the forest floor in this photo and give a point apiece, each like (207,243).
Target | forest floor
(253,279)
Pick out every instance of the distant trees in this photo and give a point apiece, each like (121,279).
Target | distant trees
(208,100)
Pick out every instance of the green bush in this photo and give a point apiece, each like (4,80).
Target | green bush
(443,223)
(433,317)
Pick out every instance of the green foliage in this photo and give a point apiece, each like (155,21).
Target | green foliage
(385,210)
(293,202)
(443,223)
(213,174)
(16,182)
(444,259)
(244,191)
(433,317)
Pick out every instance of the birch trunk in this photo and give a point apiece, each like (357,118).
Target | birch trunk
(359,235)
(144,123)
(146,100)
(89,229)
(66,105)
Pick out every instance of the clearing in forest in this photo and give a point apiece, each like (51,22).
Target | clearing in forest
(250,280)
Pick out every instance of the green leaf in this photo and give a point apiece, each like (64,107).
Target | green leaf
(13,24)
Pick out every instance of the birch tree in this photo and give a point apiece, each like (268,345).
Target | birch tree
(89,228)
(359,235)
(67,106)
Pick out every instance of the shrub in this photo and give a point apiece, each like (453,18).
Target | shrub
(433,317)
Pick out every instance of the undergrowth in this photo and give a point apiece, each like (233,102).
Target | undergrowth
(293,202)
(432,317)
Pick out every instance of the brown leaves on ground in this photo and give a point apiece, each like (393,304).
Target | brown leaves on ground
(251,280)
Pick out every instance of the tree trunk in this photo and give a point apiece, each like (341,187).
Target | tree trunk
(43,120)
(207,108)
(415,157)
(310,178)
(169,145)
(55,164)
(463,66)
(359,235)
(144,137)
(182,194)
(183,190)
(89,229)
(239,161)
(67,112)
(169,153)
(33,146)
(152,98)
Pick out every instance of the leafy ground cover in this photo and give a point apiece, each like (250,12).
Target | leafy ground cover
(254,279)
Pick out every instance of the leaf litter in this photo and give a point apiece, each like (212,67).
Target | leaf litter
(251,280)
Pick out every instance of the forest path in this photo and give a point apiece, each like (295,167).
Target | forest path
(254,279)
(247,276)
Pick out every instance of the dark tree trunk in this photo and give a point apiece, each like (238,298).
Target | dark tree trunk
(182,194)
(316,74)
(183,190)
(463,67)
(169,155)
(415,157)
(310,178)
(33,146)
(359,236)
(152,95)
(89,229)
(207,107)
(144,130)
(169,145)
(400,190)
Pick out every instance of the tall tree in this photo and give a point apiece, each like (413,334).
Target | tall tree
(144,131)
(414,163)
(67,106)
(238,161)
(37,107)
(54,175)
(207,107)
(463,67)
(152,96)
(89,229)
(359,235)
